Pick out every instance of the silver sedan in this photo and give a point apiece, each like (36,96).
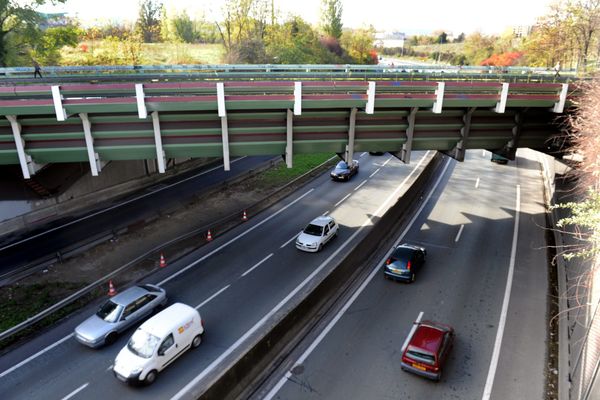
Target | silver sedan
(119,313)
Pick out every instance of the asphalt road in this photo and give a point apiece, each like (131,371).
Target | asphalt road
(238,282)
(468,228)
(19,250)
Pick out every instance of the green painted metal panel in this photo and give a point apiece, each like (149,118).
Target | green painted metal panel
(7,138)
(52,136)
(256,148)
(270,129)
(72,154)
(190,132)
(139,152)
(389,103)
(529,103)
(193,150)
(99,108)
(26,110)
(9,157)
(319,146)
(381,128)
(123,134)
(318,129)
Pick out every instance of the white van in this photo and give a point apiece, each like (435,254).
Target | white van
(158,342)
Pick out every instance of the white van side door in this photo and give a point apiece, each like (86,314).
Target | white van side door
(167,351)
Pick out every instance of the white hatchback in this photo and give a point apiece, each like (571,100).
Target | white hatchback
(320,231)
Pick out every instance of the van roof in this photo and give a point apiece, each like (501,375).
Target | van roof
(169,319)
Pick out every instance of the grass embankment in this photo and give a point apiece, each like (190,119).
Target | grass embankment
(108,52)
(22,301)
(281,174)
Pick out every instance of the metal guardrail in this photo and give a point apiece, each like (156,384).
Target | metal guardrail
(219,227)
(288,71)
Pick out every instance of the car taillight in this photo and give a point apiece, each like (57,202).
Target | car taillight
(388,261)
(408,265)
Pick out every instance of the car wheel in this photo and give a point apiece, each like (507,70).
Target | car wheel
(320,247)
(196,342)
(150,378)
(111,338)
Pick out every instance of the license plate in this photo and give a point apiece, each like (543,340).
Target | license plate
(417,366)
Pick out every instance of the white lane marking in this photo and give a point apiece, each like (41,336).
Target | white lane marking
(39,353)
(110,367)
(247,231)
(290,295)
(359,186)
(390,159)
(212,297)
(257,264)
(362,287)
(412,332)
(74,392)
(342,200)
(288,242)
(117,205)
(362,154)
(376,171)
(477,183)
(487,391)
(457,238)
(325,213)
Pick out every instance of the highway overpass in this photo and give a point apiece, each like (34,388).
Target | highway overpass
(75,116)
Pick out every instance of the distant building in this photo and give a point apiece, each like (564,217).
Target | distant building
(53,20)
(521,31)
(389,39)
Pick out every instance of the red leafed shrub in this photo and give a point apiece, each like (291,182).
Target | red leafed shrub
(504,59)
(83,47)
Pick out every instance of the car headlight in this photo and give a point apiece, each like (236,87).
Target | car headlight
(136,370)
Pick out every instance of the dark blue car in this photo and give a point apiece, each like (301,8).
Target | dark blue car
(344,171)
(404,262)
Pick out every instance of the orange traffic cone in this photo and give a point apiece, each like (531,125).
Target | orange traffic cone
(208,236)
(244,216)
(163,262)
(111,289)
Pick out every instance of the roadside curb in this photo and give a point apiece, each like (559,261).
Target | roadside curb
(564,368)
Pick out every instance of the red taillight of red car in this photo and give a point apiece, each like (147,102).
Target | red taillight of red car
(408,265)
(388,261)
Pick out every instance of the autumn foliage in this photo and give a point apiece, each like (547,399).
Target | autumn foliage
(503,60)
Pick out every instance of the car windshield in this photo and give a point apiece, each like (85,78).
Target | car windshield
(314,230)
(342,165)
(109,311)
(420,355)
(142,343)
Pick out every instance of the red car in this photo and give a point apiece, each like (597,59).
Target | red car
(427,349)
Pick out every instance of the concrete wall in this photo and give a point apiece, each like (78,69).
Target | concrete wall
(116,179)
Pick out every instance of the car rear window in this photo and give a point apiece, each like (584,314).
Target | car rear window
(420,355)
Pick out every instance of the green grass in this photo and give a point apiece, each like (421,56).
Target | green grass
(302,163)
(21,302)
(113,53)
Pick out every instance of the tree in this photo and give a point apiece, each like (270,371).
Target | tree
(331,18)
(296,42)
(460,38)
(243,29)
(442,38)
(149,20)
(46,49)
(584,20)
(359,45)
(478,47)
(18,27)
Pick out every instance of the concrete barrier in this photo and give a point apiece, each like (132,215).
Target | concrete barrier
(249,364)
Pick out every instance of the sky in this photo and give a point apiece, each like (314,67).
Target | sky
(407,16)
